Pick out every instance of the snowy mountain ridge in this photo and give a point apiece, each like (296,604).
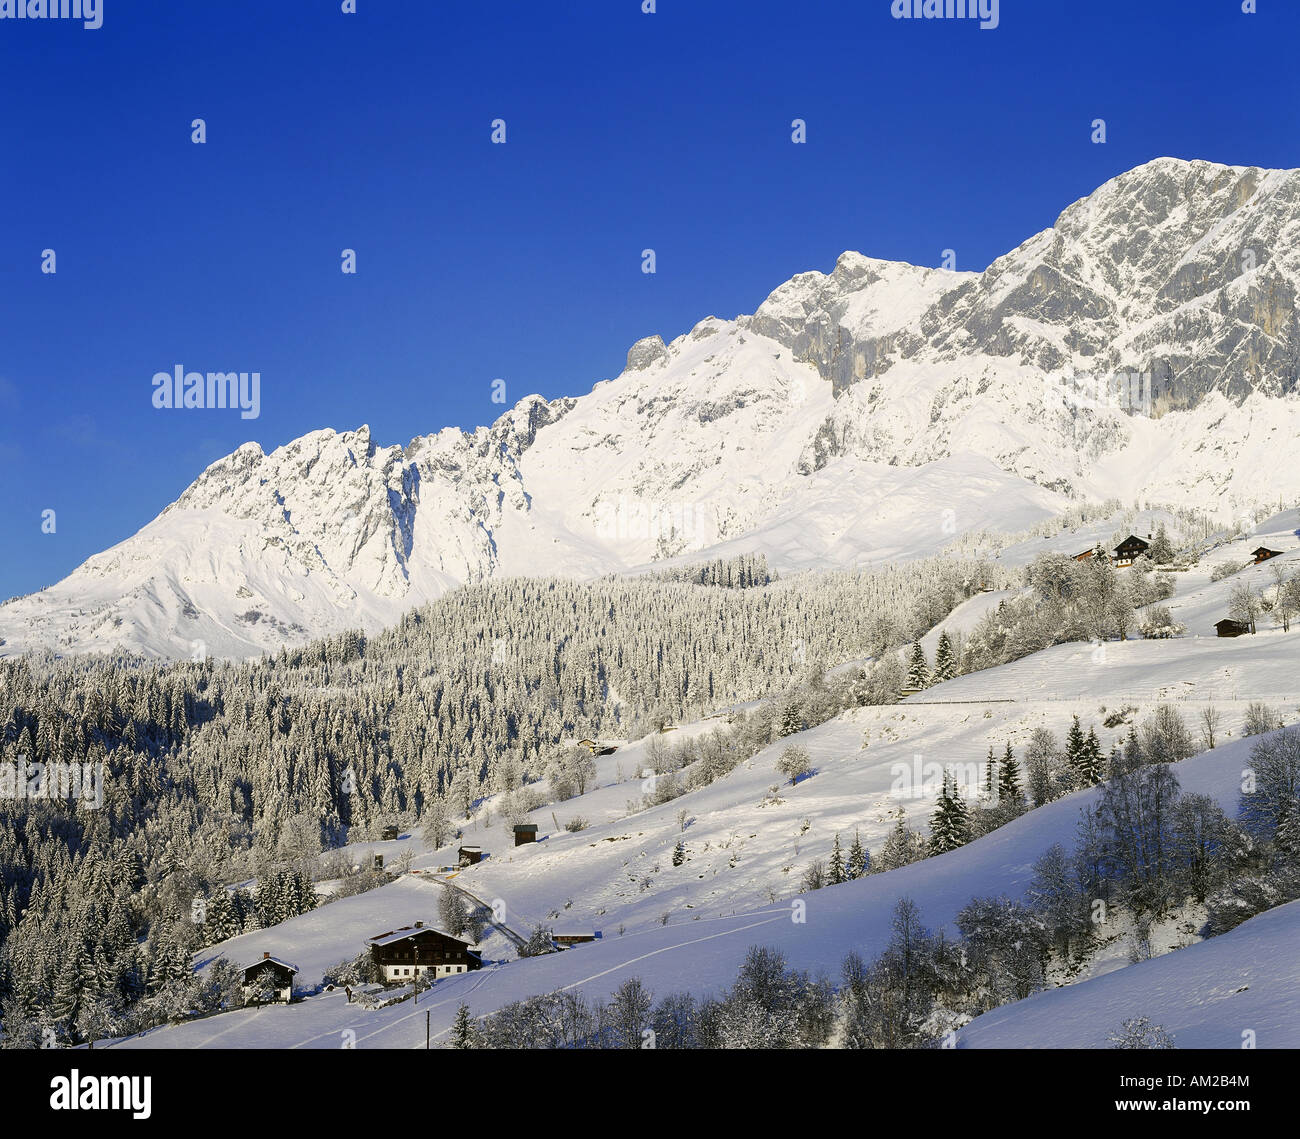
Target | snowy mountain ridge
(870,413)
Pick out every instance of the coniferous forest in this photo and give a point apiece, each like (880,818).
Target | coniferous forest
(214,773)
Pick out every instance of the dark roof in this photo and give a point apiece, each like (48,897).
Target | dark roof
(396,935)
(526,826)
(1133,540)
(1265,550)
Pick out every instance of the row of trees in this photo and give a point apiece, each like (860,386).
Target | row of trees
(838,868)
(946,663)
(1069,600)
(1143,845)
(1248,603)
(770,1005)
(745,571)
(1005,791)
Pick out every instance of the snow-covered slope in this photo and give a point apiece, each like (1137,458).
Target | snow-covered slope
(874,412)
(717,910)
(1220,993)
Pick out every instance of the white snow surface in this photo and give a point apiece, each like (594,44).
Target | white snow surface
(745,854)
(1209,995)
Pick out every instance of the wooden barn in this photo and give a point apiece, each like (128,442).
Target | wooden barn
(1129,550)
(1264,553)
(525,832)
(1230,628)
(598,748)
(269,974)
(469,855)
(569,938)
(416,950)
(389,834)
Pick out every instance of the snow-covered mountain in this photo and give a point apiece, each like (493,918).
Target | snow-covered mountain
(874,412)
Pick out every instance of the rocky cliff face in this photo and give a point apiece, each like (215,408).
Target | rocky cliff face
(1186,271)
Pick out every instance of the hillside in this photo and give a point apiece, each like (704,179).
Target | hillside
(1208,995)
(688,927)
(699,953)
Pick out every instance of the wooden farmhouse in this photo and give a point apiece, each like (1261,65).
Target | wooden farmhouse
(269,974)
(418,950)
(1129,550)
(1264,553)
(469,855)
(525,832)
(1230,628)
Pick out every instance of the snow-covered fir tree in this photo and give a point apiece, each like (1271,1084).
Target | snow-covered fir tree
(990,777)
(1162,549)
(950,823)
(1090,765)
(859,862)
(1009,791)
(835,870)
(792,718)
(918,668)
(945,658)
(1074,744)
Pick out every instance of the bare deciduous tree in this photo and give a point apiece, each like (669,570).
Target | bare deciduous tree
(1209,725)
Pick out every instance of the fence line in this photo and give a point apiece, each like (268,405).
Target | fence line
(1113,698)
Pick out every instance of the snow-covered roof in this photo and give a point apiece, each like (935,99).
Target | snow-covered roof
(271,960)
(402,934)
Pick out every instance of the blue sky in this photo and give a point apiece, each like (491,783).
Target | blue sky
(625,131)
